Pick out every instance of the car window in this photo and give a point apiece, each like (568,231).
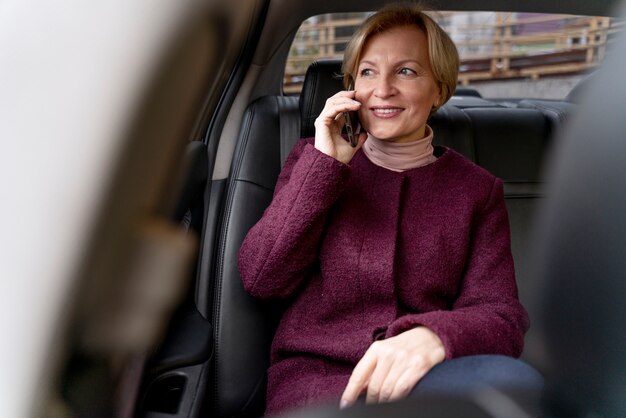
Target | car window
(503,55)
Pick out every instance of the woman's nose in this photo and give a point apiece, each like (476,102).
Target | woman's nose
(384,87)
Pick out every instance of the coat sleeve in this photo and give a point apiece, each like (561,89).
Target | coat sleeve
(281,248)
(486,317)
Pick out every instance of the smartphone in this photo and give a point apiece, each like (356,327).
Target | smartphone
(351,123)
(352,136)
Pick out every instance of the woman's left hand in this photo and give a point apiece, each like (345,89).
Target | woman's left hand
(391,368)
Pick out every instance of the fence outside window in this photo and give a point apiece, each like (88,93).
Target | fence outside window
(492,45)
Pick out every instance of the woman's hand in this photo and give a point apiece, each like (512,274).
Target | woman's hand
(391,368)
(329,124)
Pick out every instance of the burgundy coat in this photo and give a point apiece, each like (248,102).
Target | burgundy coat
(364,253)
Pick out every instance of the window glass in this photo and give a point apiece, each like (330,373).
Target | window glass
(503,55)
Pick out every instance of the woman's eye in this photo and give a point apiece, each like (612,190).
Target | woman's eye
(407,71)
(365,72)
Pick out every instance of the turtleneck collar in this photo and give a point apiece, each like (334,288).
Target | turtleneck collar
(400,156)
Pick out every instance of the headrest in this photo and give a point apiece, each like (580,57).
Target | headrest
(322,80)
(466,91)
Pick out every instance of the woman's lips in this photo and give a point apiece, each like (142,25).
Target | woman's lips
(386,112)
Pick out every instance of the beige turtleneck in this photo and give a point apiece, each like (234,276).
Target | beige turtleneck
(400,156)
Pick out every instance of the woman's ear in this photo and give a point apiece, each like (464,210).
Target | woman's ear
(438,98)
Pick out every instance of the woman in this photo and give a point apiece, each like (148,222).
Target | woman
(394,255)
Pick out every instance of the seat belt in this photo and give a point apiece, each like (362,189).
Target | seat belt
(289,120)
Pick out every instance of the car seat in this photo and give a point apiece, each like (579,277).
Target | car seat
(244,326)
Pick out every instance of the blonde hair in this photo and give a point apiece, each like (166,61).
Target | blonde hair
(443,55)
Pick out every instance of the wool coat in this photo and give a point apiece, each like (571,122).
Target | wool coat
(362,253)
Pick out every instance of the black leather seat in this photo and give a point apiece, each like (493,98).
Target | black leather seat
(453,128)
(512,143)
(322,80)
(557,112)
(244,326)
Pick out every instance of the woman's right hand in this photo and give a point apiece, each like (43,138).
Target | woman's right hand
(329,124)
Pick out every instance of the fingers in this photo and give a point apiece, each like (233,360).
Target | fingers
(391,368)
(383,383)
(336,105)
(401,384)
(379,373)
(396,373)
(404,384)
(385,359)
(329,123)
(358,380)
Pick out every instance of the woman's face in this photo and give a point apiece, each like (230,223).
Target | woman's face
(395,85)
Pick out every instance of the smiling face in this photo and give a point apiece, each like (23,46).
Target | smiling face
(395,85)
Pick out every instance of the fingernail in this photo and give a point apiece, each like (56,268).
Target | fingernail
(343,404)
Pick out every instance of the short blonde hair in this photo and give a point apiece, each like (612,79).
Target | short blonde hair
(443,55)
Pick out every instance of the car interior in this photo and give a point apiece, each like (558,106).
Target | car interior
(214,353)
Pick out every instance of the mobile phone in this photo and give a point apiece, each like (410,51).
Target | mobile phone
(349,128)
(351,123)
